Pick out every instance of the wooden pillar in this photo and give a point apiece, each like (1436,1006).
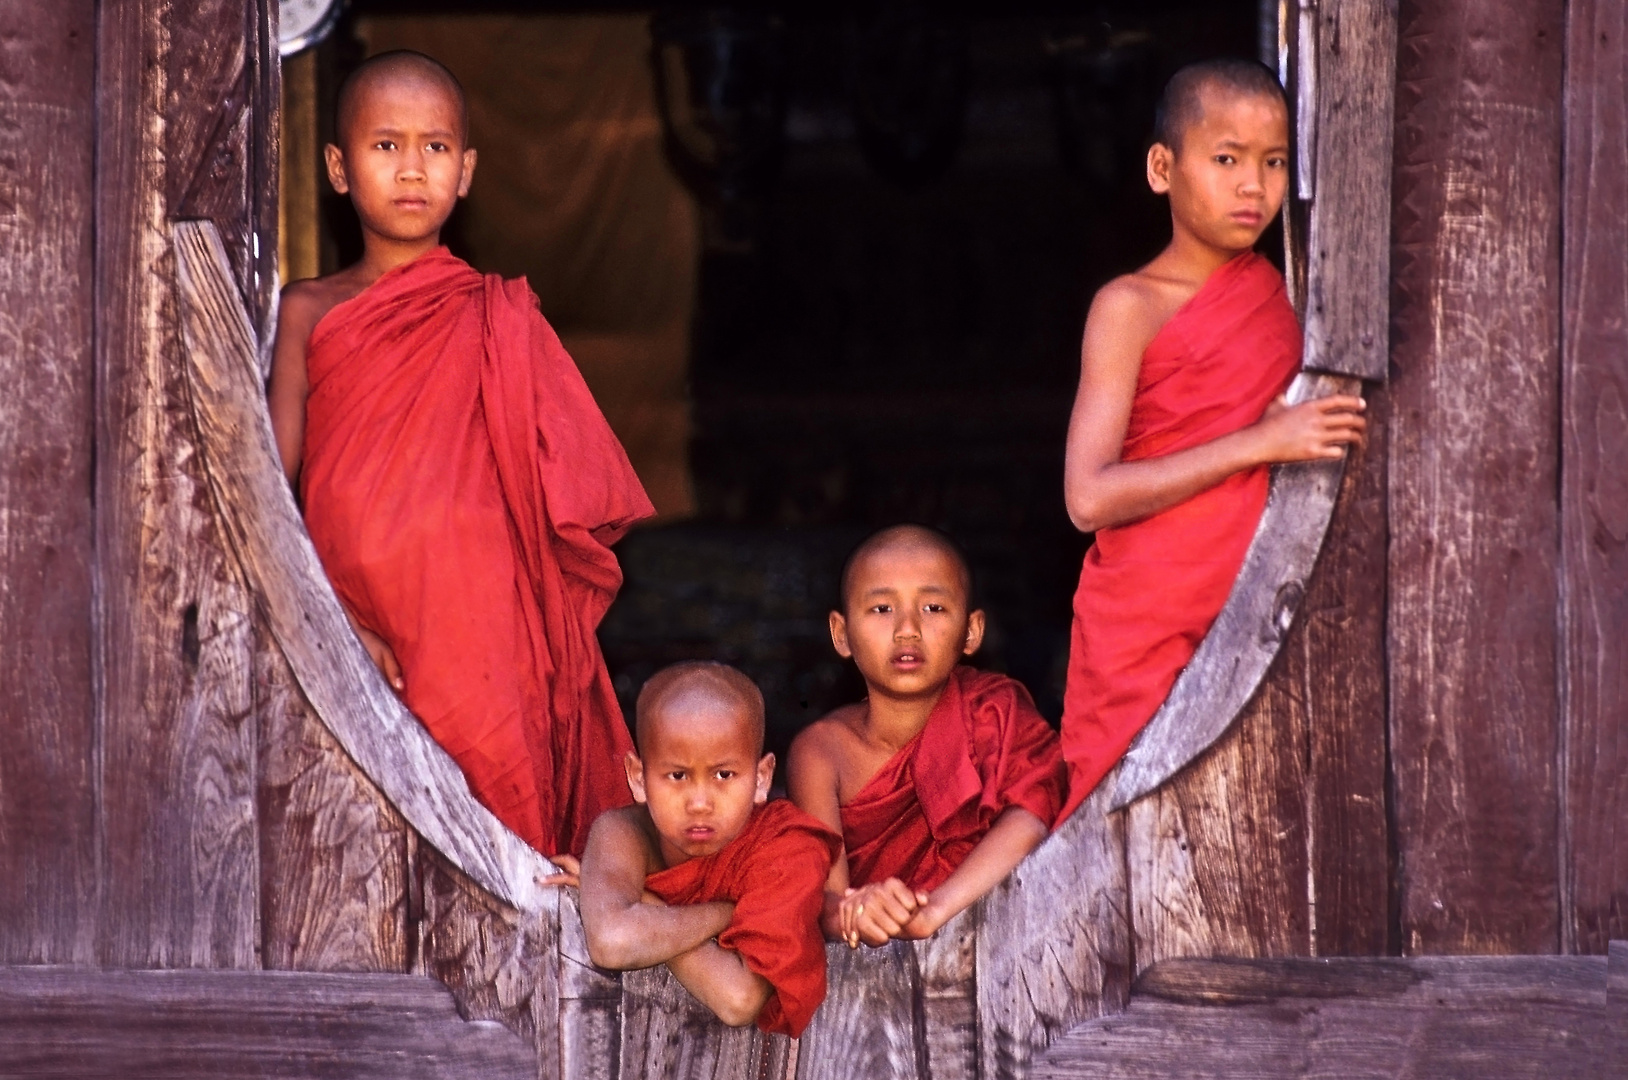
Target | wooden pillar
(1594,491)
(1474,464)
(183,97)
(47,742)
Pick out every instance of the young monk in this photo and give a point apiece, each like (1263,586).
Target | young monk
(1180,411)
(703,873)
(944,777)
(460,485)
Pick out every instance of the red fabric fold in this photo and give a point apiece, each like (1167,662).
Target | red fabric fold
(462,490)
(774,873)
(983,750)
(1149,590)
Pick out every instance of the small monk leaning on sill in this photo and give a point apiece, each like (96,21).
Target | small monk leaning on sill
(459,483)
(1180,411)
(704,873)
(944,777)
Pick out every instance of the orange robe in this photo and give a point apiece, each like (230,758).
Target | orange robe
(1149,590)
(983,750)
(774,873)
(462,490)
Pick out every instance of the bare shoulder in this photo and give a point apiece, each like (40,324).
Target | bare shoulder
(306,301)
(1132,307)
(827,740)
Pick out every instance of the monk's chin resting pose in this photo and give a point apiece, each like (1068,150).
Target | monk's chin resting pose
(460,485)
(703,873)
(944,777)
(1180,412)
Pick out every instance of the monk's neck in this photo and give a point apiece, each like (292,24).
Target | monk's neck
(381,254)
(1189,258)
(891,722)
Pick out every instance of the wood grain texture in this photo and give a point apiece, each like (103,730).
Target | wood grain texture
(866,1027)
(669,1035)
(175,642)
(1432,1017)
(1473,466)
(1348,249)
(47,194)
(164,1025)
(333,851)
(1593,490)
(590,1002)
(381,736)
(947,996)
(1054,944)
(1217,858)
(1244,639)
(1617,975)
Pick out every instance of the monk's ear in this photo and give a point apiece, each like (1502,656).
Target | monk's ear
(1161,159)
(335,159)
(839,635)
(468,174)
(635,776)
(765,777)
(975,633)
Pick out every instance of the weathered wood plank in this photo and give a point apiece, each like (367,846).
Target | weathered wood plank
(1473,475)
(1593,493)
(1349,245)
(171,1024)
(1334,674)
(1617,975)
(668,1035)
(866,1027)
(1218,857)
(590,1003)
(176,725)
(47,193)
(1054,941)
(947,997)
(333,851)
(270,541)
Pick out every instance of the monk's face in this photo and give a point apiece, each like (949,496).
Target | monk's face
(1228,179)
(700,774)
(906,623)
(402,157)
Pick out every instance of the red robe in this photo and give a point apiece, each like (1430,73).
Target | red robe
(983,749)
(462,490)
(1149,590)
(774,873)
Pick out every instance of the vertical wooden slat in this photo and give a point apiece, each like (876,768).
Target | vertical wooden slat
(333,852)
(1594,485)
(177,732)
(47,815)
(1473,474)
(866,1026)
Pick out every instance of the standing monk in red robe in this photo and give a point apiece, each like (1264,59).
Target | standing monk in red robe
(944,777)
(1180,411)
(460,485)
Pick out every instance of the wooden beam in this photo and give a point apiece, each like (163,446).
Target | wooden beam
(47,194)
(176,726)
(1593,491)
(866,1027)
(1473,475)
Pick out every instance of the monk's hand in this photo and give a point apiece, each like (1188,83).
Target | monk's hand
(1312,430)
(570,871)
(384,658)
(878,912)
(925,921)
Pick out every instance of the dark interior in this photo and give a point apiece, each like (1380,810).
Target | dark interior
(889,315)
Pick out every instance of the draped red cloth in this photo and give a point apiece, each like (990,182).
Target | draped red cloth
(462,490)
(1150,590)
(774,873)
(983,750)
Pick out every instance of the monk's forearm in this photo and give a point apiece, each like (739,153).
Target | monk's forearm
(721,981)
(1015,833)
(630,936)
(1126,491)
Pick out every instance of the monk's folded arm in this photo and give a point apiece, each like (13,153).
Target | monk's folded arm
(720,980)
(1015,833)
(623,931)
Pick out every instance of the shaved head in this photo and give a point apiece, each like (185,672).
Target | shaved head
(699,687)
(391,69)
(1182,103)
(907,538)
